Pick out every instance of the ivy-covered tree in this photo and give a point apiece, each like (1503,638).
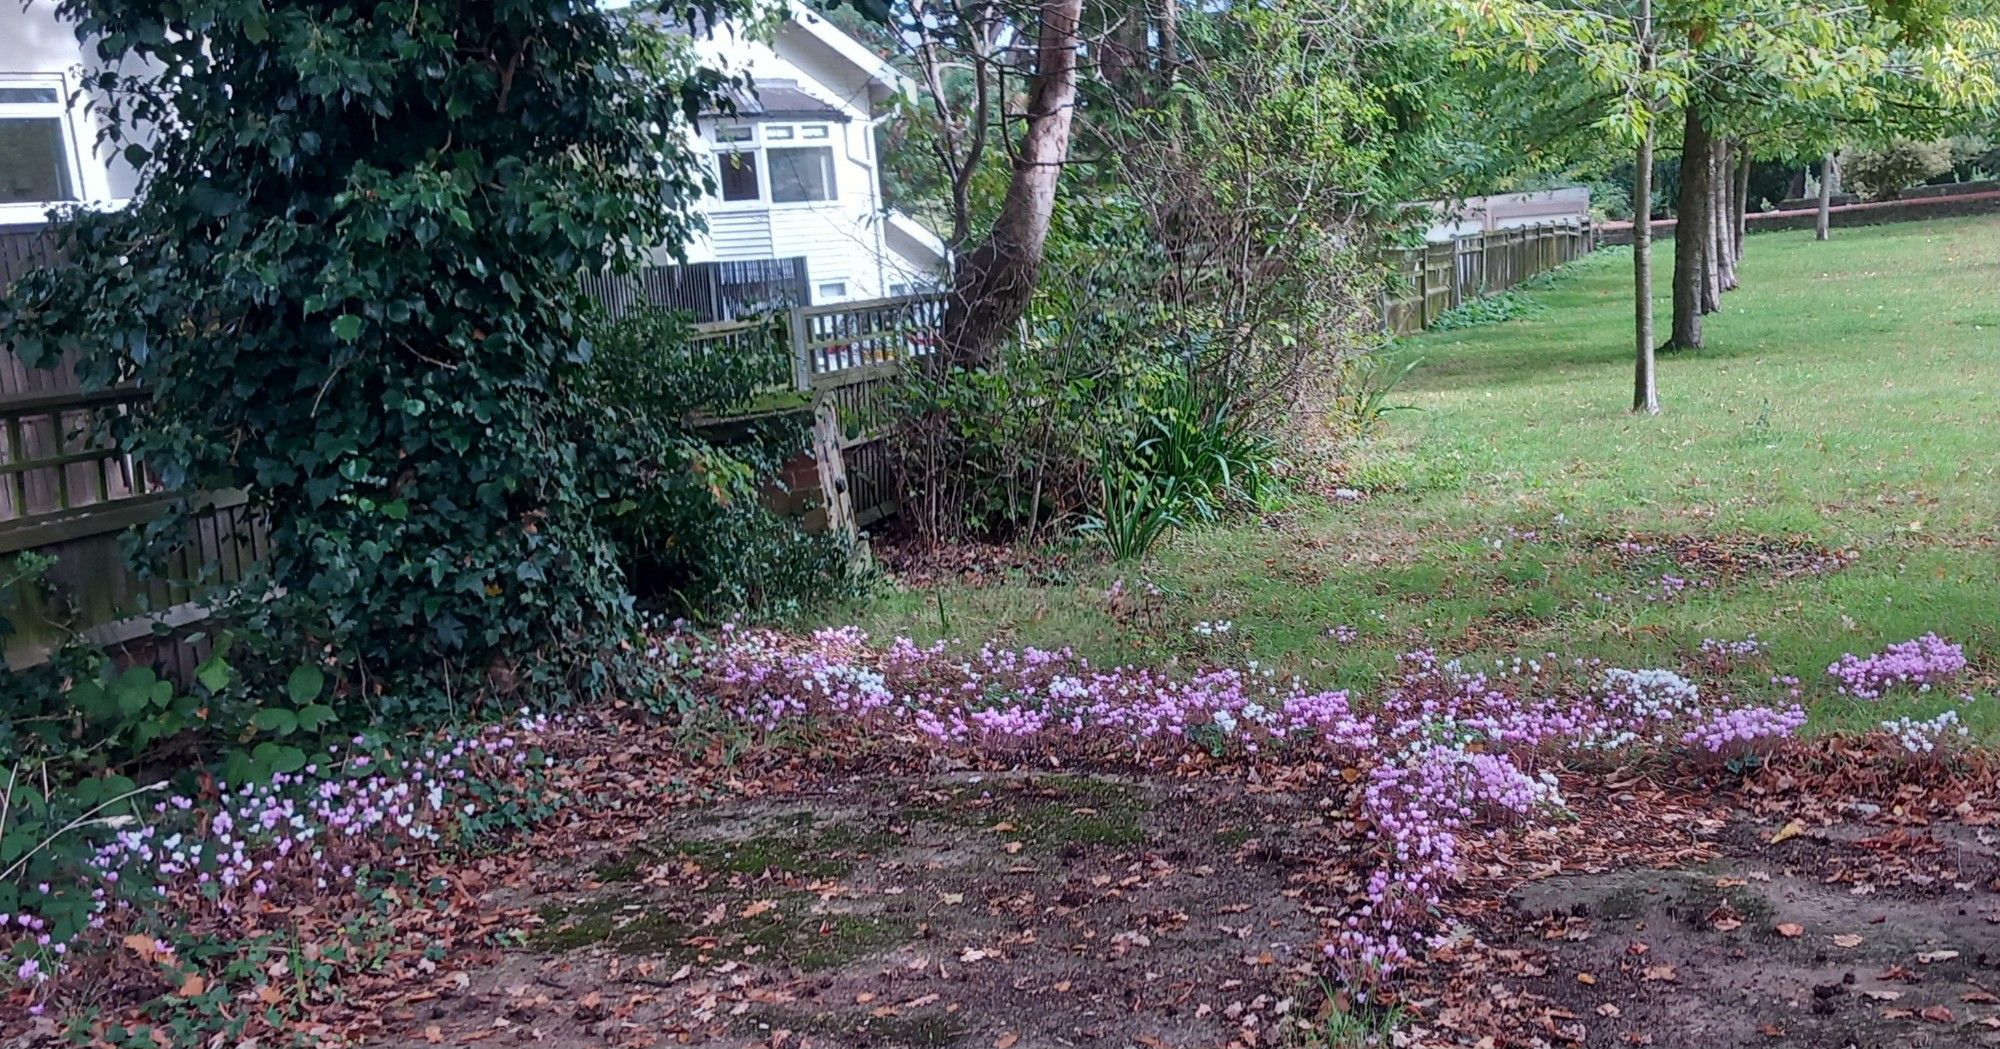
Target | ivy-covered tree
(349,288)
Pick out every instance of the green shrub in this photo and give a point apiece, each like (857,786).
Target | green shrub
(348,282)
(686,501)
(1880,173)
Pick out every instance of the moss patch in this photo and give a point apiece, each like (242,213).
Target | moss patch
(787,932)
(800,847)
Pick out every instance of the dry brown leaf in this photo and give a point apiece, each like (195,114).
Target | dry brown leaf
(1788,831)
(1847,939)
(1937,1014)
(1006,1041)
(192,985)
(1928,957)
(1790,930)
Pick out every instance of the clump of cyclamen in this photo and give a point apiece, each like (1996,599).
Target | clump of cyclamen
(286,838)
(1925,736)
(1920,663)
(1446,749)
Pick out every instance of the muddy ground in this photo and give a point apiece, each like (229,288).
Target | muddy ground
(1057,910)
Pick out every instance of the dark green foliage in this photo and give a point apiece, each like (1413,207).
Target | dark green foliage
(349,284)
(686,505)
(1493,309)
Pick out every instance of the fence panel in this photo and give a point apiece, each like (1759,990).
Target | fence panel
(1442,276)
(712,292)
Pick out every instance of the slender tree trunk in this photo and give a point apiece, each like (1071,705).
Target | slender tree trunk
(1722,220)
(1823,228)
(995,280)
(1711,267)
(1742,202)
(1690,234)
(1645,381)
(1645,378)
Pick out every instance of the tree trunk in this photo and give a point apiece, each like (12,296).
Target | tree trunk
(1725,213)
(995,280)
(1742,202)
(1645,379)
(1645,383)
(1823,228)
(1691,234)
(1711,266)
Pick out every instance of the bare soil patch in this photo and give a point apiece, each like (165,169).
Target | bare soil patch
(957,910)
(1843,936)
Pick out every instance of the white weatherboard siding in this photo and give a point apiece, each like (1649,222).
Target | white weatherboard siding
(815,89)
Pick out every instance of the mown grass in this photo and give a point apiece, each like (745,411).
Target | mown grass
(1849,399)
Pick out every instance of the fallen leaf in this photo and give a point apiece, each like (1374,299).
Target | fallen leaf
(757,908)
(1928,957)
(1586,978)
(1937,1014)
(1728,924)
(1608,1011)
(1662,973)
(1883,996)
(1006,1041)
(1982,997)
(1847,939)
(1790,930)
(1788,831)
(192,985)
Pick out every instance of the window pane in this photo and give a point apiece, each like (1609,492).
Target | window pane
(740,133)
(801,174)
(25,96)
(34,167)
(813,131)
(777,134)
(739,175)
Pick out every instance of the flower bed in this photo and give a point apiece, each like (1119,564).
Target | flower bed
(1445,749)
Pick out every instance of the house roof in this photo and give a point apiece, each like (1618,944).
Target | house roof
(853,51)
(778,99)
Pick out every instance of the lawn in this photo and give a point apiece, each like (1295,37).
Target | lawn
(1823,476)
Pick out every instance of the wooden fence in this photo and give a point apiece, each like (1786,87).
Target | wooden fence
(709,292)
(841,358)
(68,494)
(1445,275)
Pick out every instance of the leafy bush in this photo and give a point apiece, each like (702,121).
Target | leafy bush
(1206,455)
(685,502)
(1879,173)
(348,283)
(1493,309)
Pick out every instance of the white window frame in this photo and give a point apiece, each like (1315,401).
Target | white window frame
(85,186)
(765,136)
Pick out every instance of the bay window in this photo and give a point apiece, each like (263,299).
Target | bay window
(769,163)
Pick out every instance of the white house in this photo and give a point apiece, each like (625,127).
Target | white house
(49,153)
(795,163)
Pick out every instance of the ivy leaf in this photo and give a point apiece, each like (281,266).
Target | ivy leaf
(305,684)
(276,719)
(347,327)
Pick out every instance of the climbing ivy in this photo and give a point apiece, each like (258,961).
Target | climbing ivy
(348,284)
